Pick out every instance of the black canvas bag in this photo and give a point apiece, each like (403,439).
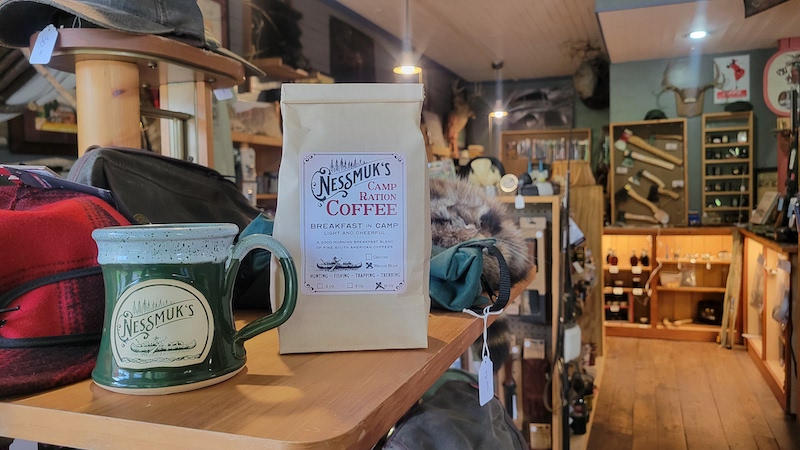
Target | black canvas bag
(449,417)
(151,188)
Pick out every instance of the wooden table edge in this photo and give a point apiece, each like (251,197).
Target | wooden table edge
(82,430)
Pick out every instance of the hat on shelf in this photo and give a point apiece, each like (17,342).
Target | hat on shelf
(177,19)
(52,298)
(738,106)
(655,114)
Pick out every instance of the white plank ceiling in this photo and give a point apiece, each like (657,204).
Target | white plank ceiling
(538,38)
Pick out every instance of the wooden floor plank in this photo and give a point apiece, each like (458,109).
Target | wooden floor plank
(669,430)
(737,409)
(610,434)
(675,395)
(644,404)
(784,429)
(700,416)
(621,419)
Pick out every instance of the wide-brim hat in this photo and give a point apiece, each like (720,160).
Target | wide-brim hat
(177,19)
(52,297)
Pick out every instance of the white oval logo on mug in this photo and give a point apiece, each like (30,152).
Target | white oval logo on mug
(161,323)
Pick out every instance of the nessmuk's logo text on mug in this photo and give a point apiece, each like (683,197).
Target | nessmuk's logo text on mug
(147,315)
(161,323)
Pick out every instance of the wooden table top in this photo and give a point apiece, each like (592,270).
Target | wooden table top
(331,400)
(161,60)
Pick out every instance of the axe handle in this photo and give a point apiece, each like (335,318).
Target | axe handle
(654,179)
(635,195)
(646,146)
(668,192)
(673,137)
(654,161)
(641,217)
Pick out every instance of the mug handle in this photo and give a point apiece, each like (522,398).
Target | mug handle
(262,324)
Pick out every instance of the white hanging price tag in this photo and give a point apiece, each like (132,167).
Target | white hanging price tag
(519,202)
(613,270)
(636,270)
(223,94)
(486,370)
(43,48)
(637,291)
(485,381)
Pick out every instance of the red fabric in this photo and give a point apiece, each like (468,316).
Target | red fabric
(42,233)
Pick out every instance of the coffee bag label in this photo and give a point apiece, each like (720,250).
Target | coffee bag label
(353,220)
(161,323)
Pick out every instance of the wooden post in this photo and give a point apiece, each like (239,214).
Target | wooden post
(108,104)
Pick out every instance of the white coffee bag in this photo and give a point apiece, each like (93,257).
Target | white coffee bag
(354,212)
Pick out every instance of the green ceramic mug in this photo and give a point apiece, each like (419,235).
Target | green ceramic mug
(169,323)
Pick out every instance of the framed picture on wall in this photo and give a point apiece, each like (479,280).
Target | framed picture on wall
(766,181)
(352,53)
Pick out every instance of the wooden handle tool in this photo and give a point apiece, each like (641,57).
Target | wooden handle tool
(650,160)
(640,217)
(629,137)
(659,214)
(662,187)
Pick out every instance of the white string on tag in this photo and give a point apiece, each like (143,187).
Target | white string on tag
(486,370)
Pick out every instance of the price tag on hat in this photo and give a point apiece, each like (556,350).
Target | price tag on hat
(223,94)
(45,43)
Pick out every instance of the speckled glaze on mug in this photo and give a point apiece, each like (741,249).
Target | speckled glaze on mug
(169,323)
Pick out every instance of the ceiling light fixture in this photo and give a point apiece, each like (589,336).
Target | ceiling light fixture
(407,63)
(499,110)
(698,34)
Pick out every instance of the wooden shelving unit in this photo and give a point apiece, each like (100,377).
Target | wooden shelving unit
(521,147)
(277,70)
(707,249)
(727,156)
(766,339)
(268,159)
(629,165)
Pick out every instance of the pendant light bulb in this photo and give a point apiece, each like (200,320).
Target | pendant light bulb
(499,111)
(407,64)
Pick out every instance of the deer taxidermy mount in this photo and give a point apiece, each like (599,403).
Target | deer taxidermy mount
(591,79)
(458,117)
(689,100)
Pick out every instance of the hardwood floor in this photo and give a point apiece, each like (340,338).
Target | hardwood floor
(676,395)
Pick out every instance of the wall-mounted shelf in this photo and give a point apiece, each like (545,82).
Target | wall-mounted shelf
(268,158)
(278,71)
(521,147)
(256,139)
(727,156)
